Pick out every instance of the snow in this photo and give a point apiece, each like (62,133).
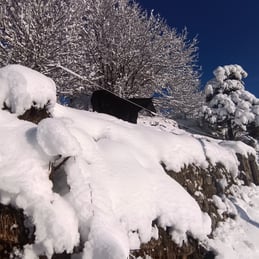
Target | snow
(128,161)
(62,141)
(238,238)
(113,185)
(223,73)
(24,182)
(22,87)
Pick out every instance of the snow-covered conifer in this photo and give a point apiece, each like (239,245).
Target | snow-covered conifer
(230,109)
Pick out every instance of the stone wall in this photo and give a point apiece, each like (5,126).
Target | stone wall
(202,185)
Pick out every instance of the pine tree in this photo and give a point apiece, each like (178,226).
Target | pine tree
(230,110)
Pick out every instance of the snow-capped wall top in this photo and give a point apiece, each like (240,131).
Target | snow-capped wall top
(21,88)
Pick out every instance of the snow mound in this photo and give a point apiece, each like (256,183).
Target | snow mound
(25,183)
(55,139)
(23,88)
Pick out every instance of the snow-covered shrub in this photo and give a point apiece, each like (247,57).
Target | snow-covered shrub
(230,109)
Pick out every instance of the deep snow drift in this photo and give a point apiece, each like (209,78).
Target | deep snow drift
(113,185)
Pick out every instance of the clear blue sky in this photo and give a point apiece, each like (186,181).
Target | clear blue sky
(227,30)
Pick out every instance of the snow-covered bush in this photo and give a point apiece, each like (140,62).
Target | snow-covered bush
(230,109)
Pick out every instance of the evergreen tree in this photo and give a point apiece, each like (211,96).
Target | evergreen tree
(230,110)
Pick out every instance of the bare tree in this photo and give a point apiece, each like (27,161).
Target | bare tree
(113,44)
(181,95)
(133,53)
(39,34)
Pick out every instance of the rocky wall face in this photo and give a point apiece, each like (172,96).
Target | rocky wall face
(202,184)
(35,115)
(165,248)
(249,170)
(13,232)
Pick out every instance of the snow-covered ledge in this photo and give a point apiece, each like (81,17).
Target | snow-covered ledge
(27,93)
